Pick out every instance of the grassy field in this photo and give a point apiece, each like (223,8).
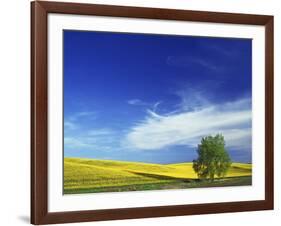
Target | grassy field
(91,175)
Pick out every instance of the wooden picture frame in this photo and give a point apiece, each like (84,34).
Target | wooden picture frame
(39,112)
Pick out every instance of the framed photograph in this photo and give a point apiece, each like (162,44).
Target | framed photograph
(148,112)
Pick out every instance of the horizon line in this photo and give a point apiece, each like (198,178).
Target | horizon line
(117,160)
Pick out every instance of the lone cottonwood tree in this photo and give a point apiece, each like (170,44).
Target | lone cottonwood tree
(213,159)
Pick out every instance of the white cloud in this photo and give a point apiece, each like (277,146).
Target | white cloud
(156,131)
(71,142)
(72,122)
(100,132)
(187,61)
(191,99)
(156,105)
(82,114)
(68,125)
(98,139)
(136,102)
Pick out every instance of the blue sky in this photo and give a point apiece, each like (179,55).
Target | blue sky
(151,98)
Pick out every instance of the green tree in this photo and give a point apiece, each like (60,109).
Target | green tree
(213,159)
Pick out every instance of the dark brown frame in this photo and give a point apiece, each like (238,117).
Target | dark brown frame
(39,112)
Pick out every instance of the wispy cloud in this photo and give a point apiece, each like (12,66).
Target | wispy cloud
(191,99)
(73,143)
(232,119)
(71,122)
(82,114)
(101,132)
(83,134)
(223,51)
(136,102)
(156,105)
(99,139)
(68,125)
(187,61)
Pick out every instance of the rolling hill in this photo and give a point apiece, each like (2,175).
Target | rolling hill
(91,175)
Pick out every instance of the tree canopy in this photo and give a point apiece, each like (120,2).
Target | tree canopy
(213,159)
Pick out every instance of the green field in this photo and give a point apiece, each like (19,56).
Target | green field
(91,175)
